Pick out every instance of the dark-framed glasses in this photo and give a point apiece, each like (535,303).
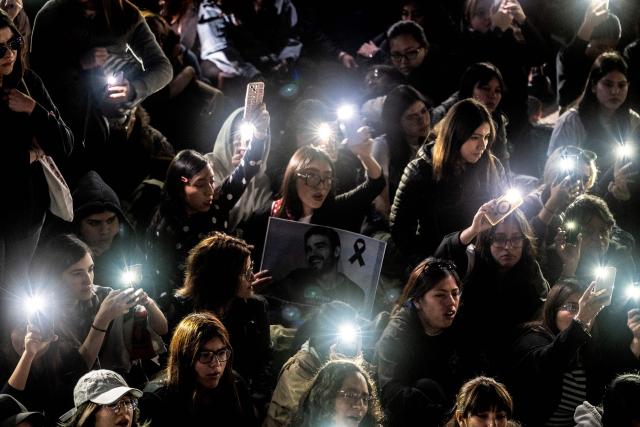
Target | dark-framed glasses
(313,179)
(13,44)
(221,356)
(502,241)
(353,397)
(127,404)
(410,55)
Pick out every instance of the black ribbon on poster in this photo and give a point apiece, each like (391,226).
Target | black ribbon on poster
(359,247)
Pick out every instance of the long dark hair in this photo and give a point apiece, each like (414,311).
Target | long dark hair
(317,406)
(558,295)
(588,104)
(213,270)
(456,128)
(186,164)
(395,104)
(479,74)
(424,277)
(291,205)
(529,249)
(188,339)
(60,253)
(15,77)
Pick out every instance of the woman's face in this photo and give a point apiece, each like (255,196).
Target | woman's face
(489,94)
(118,415)
(567,312)
(415,121)
(480,19)
(438,307)
(311,192)
(473,148)
(352,401)
(78,279)
(199,191)
(492,418)
(9,58)
(611,90)
(208,374)
(245,290)
(507,243)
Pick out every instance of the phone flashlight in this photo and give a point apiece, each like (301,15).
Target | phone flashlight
(345,112)
(624,151)
(246,131)
(34,304)
(324,132)
(347,333)
(132,275)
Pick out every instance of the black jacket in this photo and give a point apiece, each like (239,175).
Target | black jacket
(425,210)
(538,361)
(24,191)
(419,375)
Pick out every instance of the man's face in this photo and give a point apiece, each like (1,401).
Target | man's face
(98,231)
(319,253)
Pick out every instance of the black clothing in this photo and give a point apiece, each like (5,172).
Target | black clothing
(538,362)
(425,210)
(226,406)
(493,303)
(419,375)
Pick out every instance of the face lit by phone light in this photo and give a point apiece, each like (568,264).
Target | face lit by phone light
(507,244)
(199,191)
(350,406)
(78,279)
(312,196)
(596,235)
(567,312)
(473,148)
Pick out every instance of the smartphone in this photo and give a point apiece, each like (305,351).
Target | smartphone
(571,230)
(116,79)
(605,281)
(43,322)
(505,204)
(132,275)
(253,98)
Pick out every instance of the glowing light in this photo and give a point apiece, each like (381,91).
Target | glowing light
(132,275)
(633,292)
(624,150)
(570,225)
(112,80)
(246,131)
(513,194)
(324,132)
(600,272)
(347,333)
(346,112)
(567,163)
(35,304)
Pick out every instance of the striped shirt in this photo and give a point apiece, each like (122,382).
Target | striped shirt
(574,392)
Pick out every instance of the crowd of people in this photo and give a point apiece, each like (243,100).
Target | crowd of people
(490,144)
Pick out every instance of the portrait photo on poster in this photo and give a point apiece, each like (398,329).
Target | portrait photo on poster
(312,265)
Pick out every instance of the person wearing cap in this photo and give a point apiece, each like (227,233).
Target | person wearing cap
(102,398)
(13,413)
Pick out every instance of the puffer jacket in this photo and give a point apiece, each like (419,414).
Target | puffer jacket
(425,210)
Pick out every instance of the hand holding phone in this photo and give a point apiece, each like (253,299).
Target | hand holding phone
(604,284)
(503,206)
(253,98)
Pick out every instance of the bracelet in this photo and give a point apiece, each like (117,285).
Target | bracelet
(98,329)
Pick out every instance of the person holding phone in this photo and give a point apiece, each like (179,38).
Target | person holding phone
(88,317)
(550,371)
(598,243)
(458,169)
(194,204)
(504,285)
(309,182)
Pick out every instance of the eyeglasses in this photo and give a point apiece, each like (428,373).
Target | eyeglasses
(313,179)
(128,404)
(13,44)
(577,151)
(354,398)
(410,55)
(248,273)
(501,241)
(571,307)
(221,356)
